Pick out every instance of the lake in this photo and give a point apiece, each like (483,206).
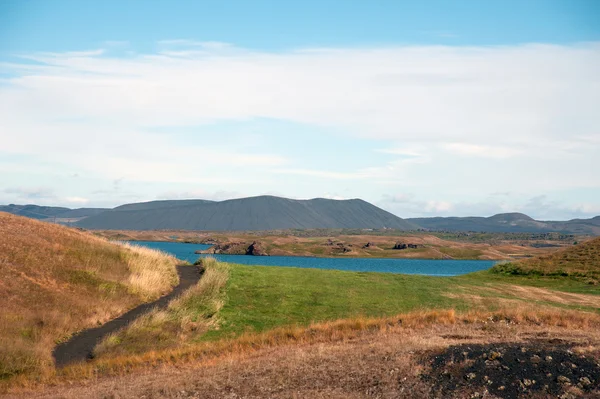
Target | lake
(430,267)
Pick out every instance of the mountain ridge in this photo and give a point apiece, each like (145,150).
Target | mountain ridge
(41,212)
(305,214)
(508,223)
(252,213)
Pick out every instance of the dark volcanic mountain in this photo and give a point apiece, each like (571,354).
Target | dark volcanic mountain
(509,223)
(255,213)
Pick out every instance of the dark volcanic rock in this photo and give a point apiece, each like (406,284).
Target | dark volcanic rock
(401,245)
(513,370)
(256,249)
(228,248)
(236,248)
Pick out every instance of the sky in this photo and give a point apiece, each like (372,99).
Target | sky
(424,108)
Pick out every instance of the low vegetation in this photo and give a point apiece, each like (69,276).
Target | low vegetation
(581,261)
(55,281)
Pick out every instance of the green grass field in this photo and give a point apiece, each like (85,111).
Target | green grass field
(263,297)
(259,298)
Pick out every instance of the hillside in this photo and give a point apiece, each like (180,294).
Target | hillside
(509,223)
(581,261)
(255,213)
(49,212)
(55,281)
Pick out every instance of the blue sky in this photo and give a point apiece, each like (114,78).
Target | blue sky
(423,108)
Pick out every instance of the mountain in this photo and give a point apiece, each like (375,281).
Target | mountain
(509,223)
(254,213)
(49,212)
(151,205)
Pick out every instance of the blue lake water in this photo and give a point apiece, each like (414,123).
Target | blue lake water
(407,266)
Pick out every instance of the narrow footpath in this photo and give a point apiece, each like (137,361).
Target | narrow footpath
(80,347)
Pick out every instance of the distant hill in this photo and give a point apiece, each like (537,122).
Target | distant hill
(49,212)
(33,211)
(274,213)
(255,213)
(509,223)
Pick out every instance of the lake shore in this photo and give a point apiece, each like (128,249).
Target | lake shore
(362,244)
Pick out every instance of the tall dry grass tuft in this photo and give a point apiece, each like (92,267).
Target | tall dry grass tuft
(186,317)
(56,280)
(152,271)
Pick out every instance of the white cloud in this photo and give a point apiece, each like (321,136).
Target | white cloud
(484,151)
(322,174)
(30,193)
(77,200)
(450,119)
(200,194)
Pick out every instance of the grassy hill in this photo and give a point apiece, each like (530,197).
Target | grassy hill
(581,261)
(244,214)
(55,281)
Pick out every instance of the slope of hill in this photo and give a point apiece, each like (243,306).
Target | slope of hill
(509,223)
(255,213)
(49,212)
(581,261)
(33,211)
(164,204)
(55,281)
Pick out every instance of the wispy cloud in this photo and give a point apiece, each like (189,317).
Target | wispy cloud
(483,151)
(30,193)
(437,113)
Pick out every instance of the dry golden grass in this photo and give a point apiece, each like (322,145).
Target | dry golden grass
(582,261)
(345,358)
(56,280)
(522,315)
(152,271)
(187,316)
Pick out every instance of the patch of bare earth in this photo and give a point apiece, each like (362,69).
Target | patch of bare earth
(391,362)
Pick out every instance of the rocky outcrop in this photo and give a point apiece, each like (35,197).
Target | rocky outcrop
(236,248)
(401,245)
(209,241)
(256,249)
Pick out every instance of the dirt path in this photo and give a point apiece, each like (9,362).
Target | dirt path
(81,345)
